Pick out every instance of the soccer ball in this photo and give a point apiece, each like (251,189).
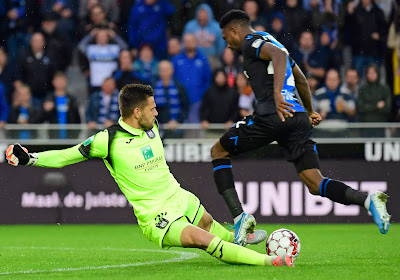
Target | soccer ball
(282,242)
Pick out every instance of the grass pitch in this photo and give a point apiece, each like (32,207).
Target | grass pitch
(122,252)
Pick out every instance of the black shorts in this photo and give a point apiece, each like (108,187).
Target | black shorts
(293,136)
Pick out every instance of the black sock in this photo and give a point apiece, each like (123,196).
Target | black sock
(223,178)
(341,193)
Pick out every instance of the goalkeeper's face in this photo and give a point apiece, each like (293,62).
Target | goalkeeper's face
(148,114)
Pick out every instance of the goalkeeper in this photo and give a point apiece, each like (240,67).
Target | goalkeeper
(133,152)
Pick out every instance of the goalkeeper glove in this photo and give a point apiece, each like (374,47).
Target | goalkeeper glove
(16,154)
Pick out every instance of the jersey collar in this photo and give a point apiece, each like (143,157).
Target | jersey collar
(130,129)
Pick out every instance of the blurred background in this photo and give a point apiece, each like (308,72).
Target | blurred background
(63,62)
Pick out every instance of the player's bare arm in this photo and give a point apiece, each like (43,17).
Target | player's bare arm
(278,57)
(305,94)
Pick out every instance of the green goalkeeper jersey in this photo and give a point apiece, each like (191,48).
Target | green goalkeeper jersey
(134,157)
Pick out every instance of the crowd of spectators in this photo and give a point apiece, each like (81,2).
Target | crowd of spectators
(348,50)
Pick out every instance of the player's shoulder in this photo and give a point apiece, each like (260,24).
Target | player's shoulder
(251,40)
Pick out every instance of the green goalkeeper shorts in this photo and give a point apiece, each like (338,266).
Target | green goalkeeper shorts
(182,209)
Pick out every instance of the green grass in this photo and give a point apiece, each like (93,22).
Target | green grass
(122,252)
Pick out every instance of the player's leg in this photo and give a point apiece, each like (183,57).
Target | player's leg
(207,223)
(212,226)
(300,149)
(191,236)
(340,192)
(246,135)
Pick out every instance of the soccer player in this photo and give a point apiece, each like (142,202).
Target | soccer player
(278,117)
(133,152)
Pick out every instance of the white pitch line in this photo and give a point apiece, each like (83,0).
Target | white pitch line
(183,256)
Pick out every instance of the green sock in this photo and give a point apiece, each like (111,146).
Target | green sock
(218,230)
(235,254)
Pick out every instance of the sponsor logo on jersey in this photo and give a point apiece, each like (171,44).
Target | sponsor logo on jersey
(150,133)
(147,152)
(161,222)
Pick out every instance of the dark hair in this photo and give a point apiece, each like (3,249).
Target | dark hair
(59,74)
(234,15)
(132,96)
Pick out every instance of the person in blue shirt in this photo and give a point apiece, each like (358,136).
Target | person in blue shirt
(207,32)
(334,102)
(146,65)
(194,73)
(103,105)
(148,24)
(308,57)
(60,107)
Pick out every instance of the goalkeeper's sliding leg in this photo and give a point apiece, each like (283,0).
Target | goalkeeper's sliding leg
(209,224)
(183,234)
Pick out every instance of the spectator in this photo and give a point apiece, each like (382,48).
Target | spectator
(332,102)
(367,26)
(146,66)
(297,19)
(148,24)
(7,74)
(252,9)
(97,19)
(230,66)
(185,11)
(207,32)
(260,27)
(270,10)
(110,9)
(36,68)
(125,9)
(308,57)
(280,34)
(328,48)
(247,99)
(56,45)
(103,106)
(174,47)
(102,54)
(170,97)
(374,101)
(125,74)
(65,11)
(23,111)
(4,109)
(193,72)
(220,103)
(22,17)
(60,106)
(352,82)
(327,16)
(313,83)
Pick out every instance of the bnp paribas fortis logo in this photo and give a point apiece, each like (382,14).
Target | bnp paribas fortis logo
(147,152)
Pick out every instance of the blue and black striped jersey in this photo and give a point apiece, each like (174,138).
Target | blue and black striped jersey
(261,73)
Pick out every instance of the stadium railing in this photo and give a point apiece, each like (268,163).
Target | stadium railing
(70,134)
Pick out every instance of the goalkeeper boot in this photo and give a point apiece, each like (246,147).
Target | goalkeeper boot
(377,207)
(286,261)
(256,237)
(243,227)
